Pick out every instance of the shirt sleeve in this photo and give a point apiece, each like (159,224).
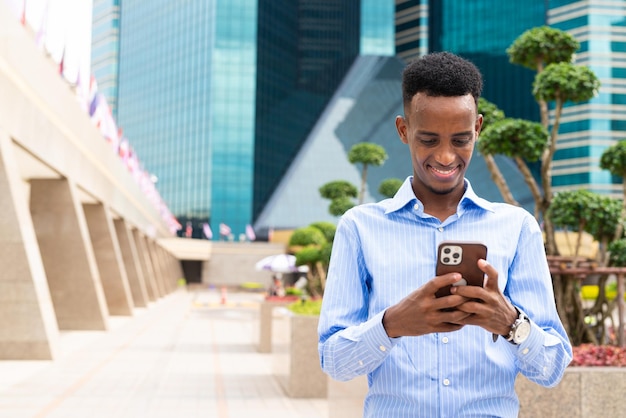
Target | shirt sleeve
(351,343)
(545,354)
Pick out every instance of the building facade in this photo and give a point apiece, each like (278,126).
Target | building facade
(587,129)
(220,97)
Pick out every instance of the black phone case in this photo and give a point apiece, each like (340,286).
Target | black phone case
(465,263)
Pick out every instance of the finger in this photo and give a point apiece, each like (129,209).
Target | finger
(438,282)
(492,274)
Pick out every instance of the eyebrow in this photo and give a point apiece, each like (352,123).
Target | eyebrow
(428,133)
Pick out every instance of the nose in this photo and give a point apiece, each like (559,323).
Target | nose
(445,155)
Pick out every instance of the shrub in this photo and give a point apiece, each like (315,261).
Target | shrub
(591,355)
(306,307)
(307,235)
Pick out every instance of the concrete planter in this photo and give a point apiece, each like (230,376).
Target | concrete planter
(587,392)
(306,379)
(345,399)
(296,364)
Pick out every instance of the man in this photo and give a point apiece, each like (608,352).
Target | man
(456,355)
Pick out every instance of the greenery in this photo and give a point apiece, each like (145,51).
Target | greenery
(341,192)
(308,235)
(306,307)
(389,187)
(338,189)
(366,154)
(541,46)
(293,291)
(558,80)
(327,228)
(340,205)
(312,246)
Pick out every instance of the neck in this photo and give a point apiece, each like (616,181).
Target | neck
(441,206)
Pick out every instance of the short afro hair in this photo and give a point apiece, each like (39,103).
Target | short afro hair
(441,74)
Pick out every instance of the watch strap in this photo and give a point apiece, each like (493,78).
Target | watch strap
(521,317)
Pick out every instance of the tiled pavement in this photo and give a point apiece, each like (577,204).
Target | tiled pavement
(186,355)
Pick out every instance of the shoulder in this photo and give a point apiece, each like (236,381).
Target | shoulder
(515,215)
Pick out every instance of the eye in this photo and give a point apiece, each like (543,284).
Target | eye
(428,142)
(461,142)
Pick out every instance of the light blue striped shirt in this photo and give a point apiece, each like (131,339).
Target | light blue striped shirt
(384,251)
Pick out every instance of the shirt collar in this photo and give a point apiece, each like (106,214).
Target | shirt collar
(405,195)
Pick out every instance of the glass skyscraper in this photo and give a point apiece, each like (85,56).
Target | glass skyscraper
(217,97)
(587,129)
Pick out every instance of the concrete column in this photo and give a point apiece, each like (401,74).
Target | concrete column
(67,255)
(144,261)
(156,266)
(163,257)
(131,263)
(28,326)
(109,260)
(170,279)
(173,266)
(178,268)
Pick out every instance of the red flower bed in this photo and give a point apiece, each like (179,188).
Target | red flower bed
(590,355)
(286,298)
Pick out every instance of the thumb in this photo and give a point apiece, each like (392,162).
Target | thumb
(492,275)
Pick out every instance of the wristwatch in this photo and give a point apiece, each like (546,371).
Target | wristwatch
(519,330)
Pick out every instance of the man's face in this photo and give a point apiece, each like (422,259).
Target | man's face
(441,133)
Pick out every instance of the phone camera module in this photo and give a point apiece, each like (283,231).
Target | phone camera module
(451,255)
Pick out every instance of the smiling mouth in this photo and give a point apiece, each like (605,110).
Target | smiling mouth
(449,172)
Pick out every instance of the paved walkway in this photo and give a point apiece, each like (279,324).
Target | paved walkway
(186,355)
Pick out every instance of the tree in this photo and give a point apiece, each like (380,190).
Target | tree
(549,52)
(389,187)
(614,160)
(366,154)
(521,140)
(338,188)
(585,211)
(312,246)
(340,193)
(492,114)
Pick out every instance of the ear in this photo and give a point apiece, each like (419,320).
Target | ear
(401,128)
(479,124)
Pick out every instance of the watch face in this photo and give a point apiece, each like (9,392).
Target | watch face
(521,332)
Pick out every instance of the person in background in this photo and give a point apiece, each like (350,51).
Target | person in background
(456,355)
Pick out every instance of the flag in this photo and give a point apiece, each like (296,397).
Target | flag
(62,62)
(188,230)
(250,232)
(207,231)
(224,229)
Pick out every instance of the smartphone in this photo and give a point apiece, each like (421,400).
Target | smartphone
(460,257)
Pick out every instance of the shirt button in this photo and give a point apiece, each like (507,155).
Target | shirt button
(446,382)
(383,348)
(445,340)
(440,229)
(416,206)
(525,351)
(360,362)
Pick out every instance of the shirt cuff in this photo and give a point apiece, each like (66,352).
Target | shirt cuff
(527,351)
(376,337)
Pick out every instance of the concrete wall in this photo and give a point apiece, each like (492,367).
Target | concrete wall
(233,263)
(77,234)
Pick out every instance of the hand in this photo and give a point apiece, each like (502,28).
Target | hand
(421,312)
(486,306)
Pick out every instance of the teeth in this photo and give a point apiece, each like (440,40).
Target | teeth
(444,171)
